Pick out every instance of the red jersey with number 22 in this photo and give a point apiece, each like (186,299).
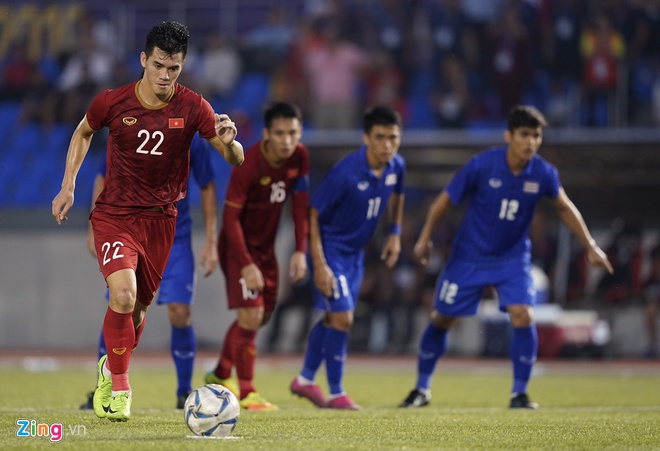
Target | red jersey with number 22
(149,152)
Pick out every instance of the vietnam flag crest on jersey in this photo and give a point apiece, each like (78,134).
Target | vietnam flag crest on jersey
(176,122)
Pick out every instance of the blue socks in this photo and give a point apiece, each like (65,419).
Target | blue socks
(330,345)
(184,348)
(315,351)
(432,346)
(524,344)
(336,344)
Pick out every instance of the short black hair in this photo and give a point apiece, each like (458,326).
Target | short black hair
(525,116)
(285,110)
(380,115)
(170,37)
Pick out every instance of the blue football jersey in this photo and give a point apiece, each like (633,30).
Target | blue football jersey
(500,207)
(201,169)
(350,199)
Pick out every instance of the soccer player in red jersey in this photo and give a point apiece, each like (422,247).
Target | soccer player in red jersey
(151,124)
(274,167)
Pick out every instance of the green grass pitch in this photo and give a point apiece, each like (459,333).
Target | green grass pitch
(598,406)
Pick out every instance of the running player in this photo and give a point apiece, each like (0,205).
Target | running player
(151,124)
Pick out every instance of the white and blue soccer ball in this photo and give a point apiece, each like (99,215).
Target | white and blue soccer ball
(212,411)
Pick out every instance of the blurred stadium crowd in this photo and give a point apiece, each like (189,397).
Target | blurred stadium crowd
(443,64)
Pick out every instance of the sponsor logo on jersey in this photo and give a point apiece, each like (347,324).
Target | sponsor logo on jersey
(363,185)
(495,183)
(176,122)
(129,121)
(119,351)
(390,179)
(531,187)
(292,173)
(265,180)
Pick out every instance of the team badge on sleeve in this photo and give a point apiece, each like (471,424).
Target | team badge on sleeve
(390,179)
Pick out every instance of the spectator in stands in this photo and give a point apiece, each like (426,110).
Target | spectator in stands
(16,69)
(451,96)
(652,298)
(334,71)
(451,34)
(508,61)
(602,47)
(269,43)
(221,66)
(384,83)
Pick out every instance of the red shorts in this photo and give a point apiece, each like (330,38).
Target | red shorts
(140,241)
(239,296)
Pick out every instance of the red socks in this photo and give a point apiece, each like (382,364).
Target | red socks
(244,350)
(119,334)
(239,350)
(226,362)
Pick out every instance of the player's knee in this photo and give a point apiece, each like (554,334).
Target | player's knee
(180,315)
(521,315)
(122,299)
(442,322)
(340,321)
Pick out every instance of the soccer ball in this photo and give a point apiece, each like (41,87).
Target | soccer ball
(211,410)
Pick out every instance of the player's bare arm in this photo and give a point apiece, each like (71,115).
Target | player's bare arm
(324,278)
(437,212)
(572,217)
(297,267)
(225,140)
(78,147)
(209,255)
(392,247)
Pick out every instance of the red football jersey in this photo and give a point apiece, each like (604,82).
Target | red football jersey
(262,191)
(149,149)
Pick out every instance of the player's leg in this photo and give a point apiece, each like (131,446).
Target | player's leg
(336,350)
(458,293)
(119,334)
(651,314)
(303,385)
(517,296)
(183,347)
(177,291)
(349,272)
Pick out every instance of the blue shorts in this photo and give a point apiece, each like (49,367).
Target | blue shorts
(349,272)
(178,284)
(460,287)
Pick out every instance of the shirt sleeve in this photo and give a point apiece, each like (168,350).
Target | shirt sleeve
(329,192)
(96,114)
(463,182)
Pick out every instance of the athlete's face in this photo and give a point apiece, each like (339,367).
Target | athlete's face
(161,71)
(524,143)
(382,143)
(282,138)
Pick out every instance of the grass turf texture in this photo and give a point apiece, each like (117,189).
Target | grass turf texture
(590,410)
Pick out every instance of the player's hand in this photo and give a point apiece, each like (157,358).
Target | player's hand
(254,280)
(61,205)
(391,251)
(90,241)
(209,258)
(297,267)
(326,282)
(422,251)
(597,258)
(225,128)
